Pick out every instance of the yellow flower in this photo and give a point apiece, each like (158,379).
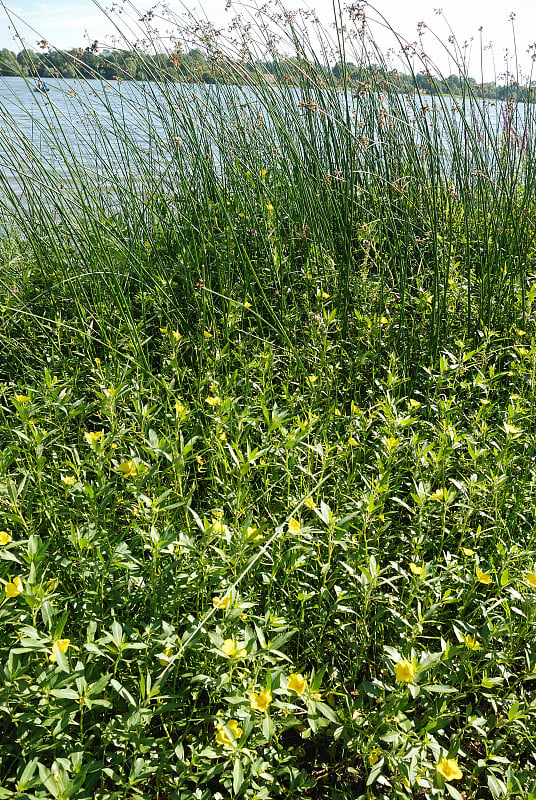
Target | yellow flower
(468,552)
(22,399)
(128,469)
(352,442)
(180,408)
(297,683)
(438,495)
(294,525)
(5,537)
(164,329)
(391,442)
(405,671)
(218,526)
(51,584)
(247,305)
(164,658)
(92,437)
(416,569)
(312,379)
(260,701)
(530,577)
(269,208)
(68,480)
(213,401)
(483,577)
(229,648)
(414,403)
(310,503)
(207,334)
(177,335)
(219,602)
(472,643)
(374,756)
(223,738)
(14,587)
(59,645)
(449,769)
(511,429)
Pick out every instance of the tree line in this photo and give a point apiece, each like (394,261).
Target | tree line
(203,67)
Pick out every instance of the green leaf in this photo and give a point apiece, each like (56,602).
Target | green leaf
(438,688)
(238,775)
(496,787)
(454,793)
(67,694)
(268,727)
(326,711)
(375,772)
(48,780)
(27,775)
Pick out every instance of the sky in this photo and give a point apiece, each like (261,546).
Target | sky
(66,24)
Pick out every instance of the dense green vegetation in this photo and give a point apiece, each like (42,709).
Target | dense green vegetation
(268,474)
(196,65)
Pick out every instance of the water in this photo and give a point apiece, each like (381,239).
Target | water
(106,136)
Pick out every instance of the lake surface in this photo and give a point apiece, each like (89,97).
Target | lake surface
(128,133)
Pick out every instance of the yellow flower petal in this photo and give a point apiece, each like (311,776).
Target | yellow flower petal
(223,738)
(374,756)
(92,437)
(222,603)
(128,469)
(229,648)
(449,769)
(297,683)
(164,658)
(260,701)
(416,569)
(294,525)
(59,646)
(5,537)
(472,643)
(483,577)
(405,671)
(530,578)
(14,587)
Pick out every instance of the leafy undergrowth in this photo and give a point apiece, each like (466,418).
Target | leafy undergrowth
(236,565)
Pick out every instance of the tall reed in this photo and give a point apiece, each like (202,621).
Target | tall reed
(257,181)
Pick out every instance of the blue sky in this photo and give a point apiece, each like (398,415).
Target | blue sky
(70,24)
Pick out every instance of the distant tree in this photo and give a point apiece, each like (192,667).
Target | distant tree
(9,65)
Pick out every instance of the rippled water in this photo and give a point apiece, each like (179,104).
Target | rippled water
(122,132)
